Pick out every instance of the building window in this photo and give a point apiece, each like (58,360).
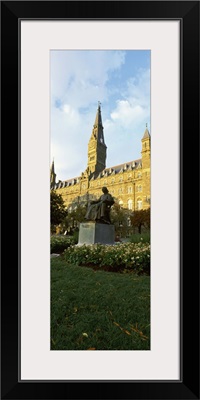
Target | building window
(139,175)
(130,189)
(121,203)
(120,190)
(121,179)
(130,204)
(113,181)
(139,204)
(105,182)
(139,188)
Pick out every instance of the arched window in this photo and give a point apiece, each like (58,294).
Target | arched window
(139,204)
(130,189)
(121,203)
(130,204)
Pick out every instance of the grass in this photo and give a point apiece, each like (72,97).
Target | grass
(98,310)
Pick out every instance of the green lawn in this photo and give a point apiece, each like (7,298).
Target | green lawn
(98,310)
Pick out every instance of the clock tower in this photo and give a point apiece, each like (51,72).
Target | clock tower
(96,147)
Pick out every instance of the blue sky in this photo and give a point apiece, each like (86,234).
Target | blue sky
(120,80)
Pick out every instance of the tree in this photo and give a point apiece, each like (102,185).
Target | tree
(119,218)
(78,213)
(74,217)
(58,210)
(140,218)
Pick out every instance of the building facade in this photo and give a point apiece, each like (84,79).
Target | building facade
(129,182)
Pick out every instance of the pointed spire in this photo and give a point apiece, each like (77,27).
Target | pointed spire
(146,133)
(98,119)
(52,174)
(52,167)
(98,126)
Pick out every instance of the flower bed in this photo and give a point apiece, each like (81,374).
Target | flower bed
(121,256)
(61,243)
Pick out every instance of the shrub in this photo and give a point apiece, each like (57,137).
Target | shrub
(61,243)
(121,256)
(137,238)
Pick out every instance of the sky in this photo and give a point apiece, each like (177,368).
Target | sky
(120,81)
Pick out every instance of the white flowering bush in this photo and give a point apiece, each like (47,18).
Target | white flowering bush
(118,257)
(59,243)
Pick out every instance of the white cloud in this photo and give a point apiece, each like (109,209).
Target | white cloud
(80,77)
(125,114)
(127,121)
(135,107)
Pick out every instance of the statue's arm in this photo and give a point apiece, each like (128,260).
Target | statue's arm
(95,201)
(109,201)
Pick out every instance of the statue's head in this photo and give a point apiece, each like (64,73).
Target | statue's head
(104,189)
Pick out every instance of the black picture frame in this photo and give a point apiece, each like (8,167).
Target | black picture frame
(188,386)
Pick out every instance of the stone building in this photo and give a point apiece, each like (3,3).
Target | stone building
(129,182)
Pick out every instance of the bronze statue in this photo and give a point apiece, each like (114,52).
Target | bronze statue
(99,210)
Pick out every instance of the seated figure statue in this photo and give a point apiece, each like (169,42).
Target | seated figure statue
(99,210)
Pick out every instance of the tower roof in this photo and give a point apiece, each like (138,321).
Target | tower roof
(52,167)
(98,126)
(146,133)
(98,120)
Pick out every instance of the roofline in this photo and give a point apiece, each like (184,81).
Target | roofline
(105,169)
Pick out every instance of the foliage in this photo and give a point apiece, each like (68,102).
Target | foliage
(59,243)
(137,237)
(58,210)
(119,218)
(98,310)
(75,236)
(74,217)
(121,256)
(141,218)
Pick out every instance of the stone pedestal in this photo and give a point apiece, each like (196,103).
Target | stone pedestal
(93,232)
